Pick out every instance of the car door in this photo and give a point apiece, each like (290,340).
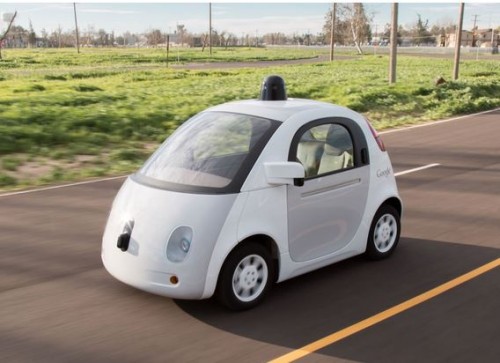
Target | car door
(325,212)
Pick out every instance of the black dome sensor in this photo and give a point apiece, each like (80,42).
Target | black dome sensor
(273,89)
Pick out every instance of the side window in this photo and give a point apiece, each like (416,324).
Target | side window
(324,149)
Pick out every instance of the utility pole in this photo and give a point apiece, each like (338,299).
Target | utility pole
(210,27)
(394,44)
(332,31)
(459,42)
(474,30)
(76,28)
(475,20)
(168,46)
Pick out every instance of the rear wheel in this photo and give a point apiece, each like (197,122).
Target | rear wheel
(245,277)
(384,233)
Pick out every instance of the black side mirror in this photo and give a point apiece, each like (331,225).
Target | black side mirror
(298,182)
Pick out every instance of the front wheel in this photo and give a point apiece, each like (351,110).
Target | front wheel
(384,233)
(245,277)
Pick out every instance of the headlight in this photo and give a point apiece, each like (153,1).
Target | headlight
(179,244)
(185,244)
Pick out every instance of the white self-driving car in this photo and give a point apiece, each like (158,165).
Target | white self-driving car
(249,193)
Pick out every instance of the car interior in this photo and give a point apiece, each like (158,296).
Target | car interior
(325,155)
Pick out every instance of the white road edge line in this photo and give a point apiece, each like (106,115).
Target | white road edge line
(416,169)
(62,186)
(381,133)
(435,122)
(124,176)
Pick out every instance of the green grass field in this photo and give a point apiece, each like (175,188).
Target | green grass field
(65,116)
(134,57)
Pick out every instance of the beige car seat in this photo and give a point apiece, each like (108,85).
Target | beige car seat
(309,154)
(338,151)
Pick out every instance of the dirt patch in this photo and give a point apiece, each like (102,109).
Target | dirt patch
(42,167)
(258,64)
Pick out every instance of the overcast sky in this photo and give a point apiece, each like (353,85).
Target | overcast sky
(238,18)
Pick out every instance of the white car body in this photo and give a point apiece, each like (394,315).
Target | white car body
(332,213)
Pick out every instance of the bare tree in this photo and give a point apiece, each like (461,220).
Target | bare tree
(59,36)
(101,34)
(341,29)
(230,40)
(181,30)
(420,32)
(358,22)
(274,38)
(4,35)
(155,37)
(31,36)
(89,35)
(222,38)
(204,41)
(215,38)
(45,37)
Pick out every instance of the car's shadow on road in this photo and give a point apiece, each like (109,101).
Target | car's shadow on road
(309,307)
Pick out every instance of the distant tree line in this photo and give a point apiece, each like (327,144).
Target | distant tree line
(19,37)
(352,28)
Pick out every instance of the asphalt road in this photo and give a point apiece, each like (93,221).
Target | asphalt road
(58,304)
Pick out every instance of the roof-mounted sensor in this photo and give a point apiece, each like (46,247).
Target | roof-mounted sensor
(273,89)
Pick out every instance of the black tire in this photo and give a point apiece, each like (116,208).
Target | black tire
(384,233)
(247,288)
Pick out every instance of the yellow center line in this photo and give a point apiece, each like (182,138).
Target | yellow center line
(375,319)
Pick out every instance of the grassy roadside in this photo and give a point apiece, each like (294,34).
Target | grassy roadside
(65,123)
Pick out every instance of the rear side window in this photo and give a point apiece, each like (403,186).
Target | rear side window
(329,145)
(324,149)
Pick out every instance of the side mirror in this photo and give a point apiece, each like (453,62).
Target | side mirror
(285,172)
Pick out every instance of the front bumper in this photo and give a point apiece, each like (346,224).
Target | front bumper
(138,273)
(154,215)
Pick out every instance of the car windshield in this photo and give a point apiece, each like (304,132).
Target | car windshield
(210,150)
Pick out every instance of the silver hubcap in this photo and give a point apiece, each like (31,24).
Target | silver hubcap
(385,233)
(250,278)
